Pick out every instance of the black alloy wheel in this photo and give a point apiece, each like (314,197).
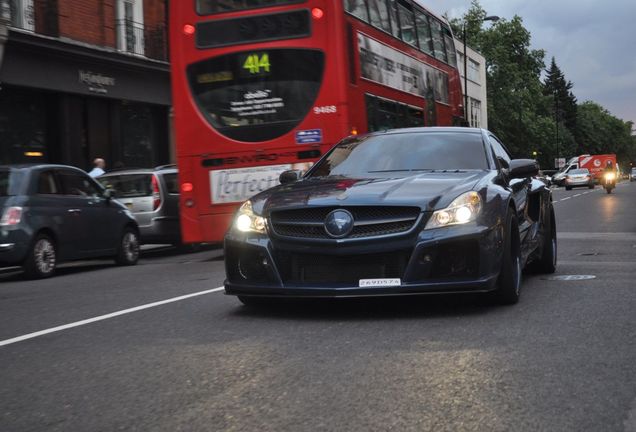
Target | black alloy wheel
(509,281)
(128,249)
(42,258)
(548,260)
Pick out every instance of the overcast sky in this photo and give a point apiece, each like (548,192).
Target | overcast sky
(593,42)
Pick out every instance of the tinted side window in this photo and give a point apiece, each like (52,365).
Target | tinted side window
(47,184)
(424,32)
(172,183)
(500,151)
(357,8)
(438,40)
(380,15)
(77,184)
(407,23)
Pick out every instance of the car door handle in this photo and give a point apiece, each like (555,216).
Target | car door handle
(74,211)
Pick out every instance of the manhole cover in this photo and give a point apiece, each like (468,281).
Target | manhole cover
(570,277)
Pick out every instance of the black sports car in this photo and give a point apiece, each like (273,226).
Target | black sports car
(408,211)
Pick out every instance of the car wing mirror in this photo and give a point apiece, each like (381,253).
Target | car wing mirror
(522,168)
(109,194)
(290,176)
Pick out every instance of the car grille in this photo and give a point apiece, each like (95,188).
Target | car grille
(368,221)
(348,269)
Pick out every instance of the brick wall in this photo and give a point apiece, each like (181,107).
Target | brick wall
(94,22)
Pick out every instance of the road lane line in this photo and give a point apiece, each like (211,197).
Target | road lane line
(105,317)
(577,195)
(563,199)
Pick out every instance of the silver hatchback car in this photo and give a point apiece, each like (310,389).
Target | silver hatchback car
(152,195)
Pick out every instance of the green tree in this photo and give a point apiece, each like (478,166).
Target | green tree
(599,132)
(564,104)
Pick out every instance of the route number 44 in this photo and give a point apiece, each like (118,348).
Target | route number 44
(326,109)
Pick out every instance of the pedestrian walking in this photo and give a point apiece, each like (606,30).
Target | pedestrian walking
(98,167)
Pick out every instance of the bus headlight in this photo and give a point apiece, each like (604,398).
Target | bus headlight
(463,209)
(247,221)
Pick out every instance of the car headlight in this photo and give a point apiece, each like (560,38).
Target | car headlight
(247,221)
(463,209)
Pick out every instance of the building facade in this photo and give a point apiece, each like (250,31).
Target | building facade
(82,79)
(477,110)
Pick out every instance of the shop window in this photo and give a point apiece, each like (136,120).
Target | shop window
(23,131)
(137,137)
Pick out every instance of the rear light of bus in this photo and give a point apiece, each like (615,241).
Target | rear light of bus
(317,13)
(354,131)
(11,216)
(187,187)
(188,29)
(156,194)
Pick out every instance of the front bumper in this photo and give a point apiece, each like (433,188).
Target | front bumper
(456,259)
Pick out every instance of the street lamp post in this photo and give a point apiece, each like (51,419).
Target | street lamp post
(493,18)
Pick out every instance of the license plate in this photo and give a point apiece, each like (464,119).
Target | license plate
(384,282)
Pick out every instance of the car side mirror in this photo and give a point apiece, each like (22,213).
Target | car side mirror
(109,194)
(290,176)
(522,168)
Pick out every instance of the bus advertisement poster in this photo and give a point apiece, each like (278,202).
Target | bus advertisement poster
(392,68)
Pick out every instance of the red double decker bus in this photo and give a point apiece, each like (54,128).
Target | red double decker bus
(261,86)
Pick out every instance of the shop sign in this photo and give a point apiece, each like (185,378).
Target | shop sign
(96,82)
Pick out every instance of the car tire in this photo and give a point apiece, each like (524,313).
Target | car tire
(548,260)
(568,188)
(41,260)
(509,280)
(128,248)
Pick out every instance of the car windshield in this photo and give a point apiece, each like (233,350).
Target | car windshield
(10,181)
(579,171)
(402,154)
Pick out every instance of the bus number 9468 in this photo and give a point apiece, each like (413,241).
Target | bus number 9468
(326,109)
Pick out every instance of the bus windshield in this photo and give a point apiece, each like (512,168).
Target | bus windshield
(259,95)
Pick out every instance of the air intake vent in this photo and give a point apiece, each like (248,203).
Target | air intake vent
(286,25)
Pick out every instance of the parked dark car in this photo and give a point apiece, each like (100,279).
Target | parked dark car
(409,211)
(152,195)
(54,213)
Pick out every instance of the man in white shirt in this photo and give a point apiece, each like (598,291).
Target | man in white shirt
(98,170)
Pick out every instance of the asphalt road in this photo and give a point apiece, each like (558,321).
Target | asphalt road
(563,359)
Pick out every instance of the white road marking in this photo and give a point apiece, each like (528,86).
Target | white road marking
(563,199)
(577,195)
(105,317)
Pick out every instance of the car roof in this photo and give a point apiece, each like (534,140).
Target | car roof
(432,129)
(34,166)
(164,169)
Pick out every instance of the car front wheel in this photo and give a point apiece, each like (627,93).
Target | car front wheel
(509,281)
(42,258)
(128,249)
(548,260)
